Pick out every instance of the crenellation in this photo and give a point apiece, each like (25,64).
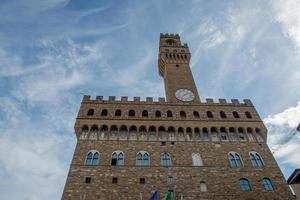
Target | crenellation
(86,98)
(149,99)
(111,99)
(209,100)
(99,99)
(222,101)
(248,102)
(136,99)
(124,99)
(235,101)
(161,100)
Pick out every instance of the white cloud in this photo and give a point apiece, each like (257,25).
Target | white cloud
(288,14)
(283,138)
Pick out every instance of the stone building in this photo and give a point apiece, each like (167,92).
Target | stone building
(127,149)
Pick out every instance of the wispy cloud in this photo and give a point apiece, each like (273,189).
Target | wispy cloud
(283,138)
(289,16)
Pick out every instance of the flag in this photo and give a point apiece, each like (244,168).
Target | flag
(169,196)
(154,196)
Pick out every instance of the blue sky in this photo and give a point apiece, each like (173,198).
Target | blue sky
(52,51)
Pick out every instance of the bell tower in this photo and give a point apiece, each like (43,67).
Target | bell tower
(173,64)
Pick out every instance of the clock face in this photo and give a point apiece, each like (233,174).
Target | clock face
(184,95)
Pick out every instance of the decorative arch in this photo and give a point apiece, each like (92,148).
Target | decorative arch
(197,160)
(256,159)
(143,158)
(92,158)
(235,159)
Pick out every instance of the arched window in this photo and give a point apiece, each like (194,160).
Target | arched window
(152,133)
(267,184)
(245,185)
(189,134)
(118,113)
(85,128)
(133,129)
(113,128)
(197,161)
(94,128)
(104,112)
(157,113)
(258,135)
(169,113)
(235,159)
(117,158)
(209,114)
(171,132)
(123,133)
(205,135)
(104,128)
(92,158)
(90,112)
(142,158)
(182,114)
(142,129)
(214,134)
(180,130)
(166,160)
(223,114)
(196,114)
(145,113)
(223,133)
(250,134)
(203,187)
(235,114)
(131,113)
(256,159)
(248,115)
(232,134)
(242,135)
(197,133)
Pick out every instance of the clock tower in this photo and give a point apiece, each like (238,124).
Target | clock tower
(173,64)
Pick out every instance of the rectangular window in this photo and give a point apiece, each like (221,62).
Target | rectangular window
(142,180)
(115,180)
(88,179)
(163,143)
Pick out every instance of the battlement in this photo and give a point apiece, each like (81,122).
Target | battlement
(167,35)
(171,40)
(162,100)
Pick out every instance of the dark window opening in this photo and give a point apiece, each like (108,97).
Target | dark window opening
(118,113)
(163,143)
(209,114)
(115,180)
(145,113)
(90,112)
(142,180)
(182,114)
(104,112)
(114,161)
(131,113)
(223,114)
(248,115)
(235,114)
(157,113)
(169,113)
(196,114)
(88,179)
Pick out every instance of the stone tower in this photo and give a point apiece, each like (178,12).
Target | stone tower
(127,149)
